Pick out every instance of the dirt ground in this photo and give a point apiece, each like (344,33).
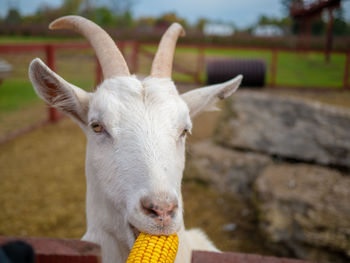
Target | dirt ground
(43,192)
(42,183)
(42,189)
(22,118)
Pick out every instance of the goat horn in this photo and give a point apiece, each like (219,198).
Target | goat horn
(111,60)
(163,60)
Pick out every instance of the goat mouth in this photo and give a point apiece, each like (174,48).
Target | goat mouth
(135,231)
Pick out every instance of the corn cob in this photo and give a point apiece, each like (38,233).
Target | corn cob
(153,249)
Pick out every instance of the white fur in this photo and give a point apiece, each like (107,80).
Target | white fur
(141,153)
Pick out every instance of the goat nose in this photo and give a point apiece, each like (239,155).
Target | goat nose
(161,210)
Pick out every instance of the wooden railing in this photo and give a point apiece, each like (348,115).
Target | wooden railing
(139,48)
(49,250)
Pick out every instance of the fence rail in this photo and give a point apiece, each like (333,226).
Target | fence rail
(48,250)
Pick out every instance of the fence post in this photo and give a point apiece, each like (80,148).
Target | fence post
(134,57)
(51,63)
(200,64)
(346,72)
(273,68)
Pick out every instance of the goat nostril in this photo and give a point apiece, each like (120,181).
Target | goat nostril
(172,212)
(161,211)
(149,210)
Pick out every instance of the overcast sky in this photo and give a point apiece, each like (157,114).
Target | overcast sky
(241,13)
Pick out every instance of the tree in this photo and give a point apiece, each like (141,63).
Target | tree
(123,12)
(340,27)
(125,20)
(70,7)
(283,23)
(103,16)
(169,18)
(318,27)
(264,20)
(13,17)
(146,21)
(201,24)
(87,9)
(286,5)
(121,7)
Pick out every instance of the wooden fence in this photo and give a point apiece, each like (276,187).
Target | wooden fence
(51,250)
(140,48)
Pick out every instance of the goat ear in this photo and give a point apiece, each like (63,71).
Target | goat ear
(204,99)
(59,93)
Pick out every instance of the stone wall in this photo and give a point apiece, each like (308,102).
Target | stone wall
(291,159)
(287,127)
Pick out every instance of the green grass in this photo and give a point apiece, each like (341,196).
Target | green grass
(34,39)
(16,93)
(310,69)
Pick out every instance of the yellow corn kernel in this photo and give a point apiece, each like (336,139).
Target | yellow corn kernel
(154,249)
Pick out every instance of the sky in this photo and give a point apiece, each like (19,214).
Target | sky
(240,13)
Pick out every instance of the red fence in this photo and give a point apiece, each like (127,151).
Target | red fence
(49,250)
(140,49)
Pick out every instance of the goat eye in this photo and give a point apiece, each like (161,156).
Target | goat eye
(97,127)
(184,132)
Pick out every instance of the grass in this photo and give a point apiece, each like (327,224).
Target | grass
(33,39)
(16,94)
(310,69)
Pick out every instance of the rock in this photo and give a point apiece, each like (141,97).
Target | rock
(306,208)
(229,170)
(287,127)
(229,227)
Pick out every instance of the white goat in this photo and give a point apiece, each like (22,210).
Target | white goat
(136,134)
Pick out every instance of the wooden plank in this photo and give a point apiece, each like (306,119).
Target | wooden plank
(48,250)
(231,257)
(273,68)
